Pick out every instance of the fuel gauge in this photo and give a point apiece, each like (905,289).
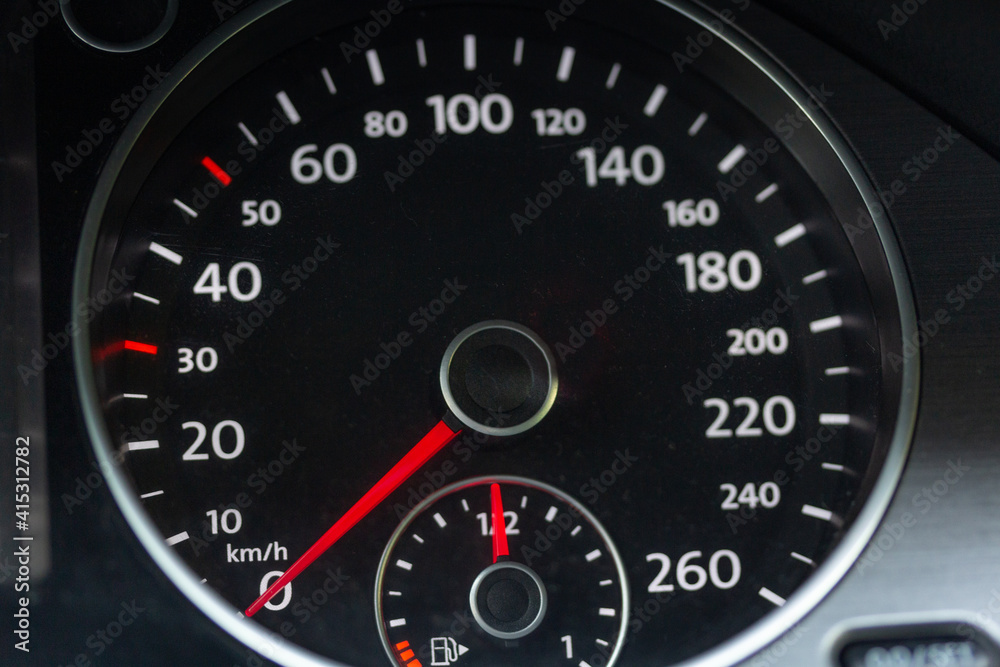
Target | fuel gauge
(501,571)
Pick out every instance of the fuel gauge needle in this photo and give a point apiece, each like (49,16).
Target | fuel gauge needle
(500,549)
(429,445)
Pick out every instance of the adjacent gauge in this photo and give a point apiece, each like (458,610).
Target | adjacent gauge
(486,334)
(507,570)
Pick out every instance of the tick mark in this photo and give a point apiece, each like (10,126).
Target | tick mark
(143,297)
(697,124)
(566,63)
(286,105)
(328,80)
(826,324)
(655,100)
(375,67)
(143,444)
(136,346)
(771,597)
(800,557)
(421,53)
(166,254)
(764,194)
(789,235)
(178,538)
(834,419)
(248,134)
(185,208)
(814,277)
(470,52)
(616,69)
(732,159)
(817,512)
(217,172)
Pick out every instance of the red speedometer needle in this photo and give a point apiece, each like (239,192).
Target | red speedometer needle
(429,445)
(499,524)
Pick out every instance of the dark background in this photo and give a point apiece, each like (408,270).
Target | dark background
(893,91)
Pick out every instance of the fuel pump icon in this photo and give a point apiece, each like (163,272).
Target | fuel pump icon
(445,651)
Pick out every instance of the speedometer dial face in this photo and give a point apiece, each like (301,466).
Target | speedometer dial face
(452,243)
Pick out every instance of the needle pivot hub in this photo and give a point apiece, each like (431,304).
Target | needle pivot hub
(499,377)
(508,600)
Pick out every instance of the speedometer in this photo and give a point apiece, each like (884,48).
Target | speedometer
(485,334)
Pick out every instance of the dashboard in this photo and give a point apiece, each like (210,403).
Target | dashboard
(426,332)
